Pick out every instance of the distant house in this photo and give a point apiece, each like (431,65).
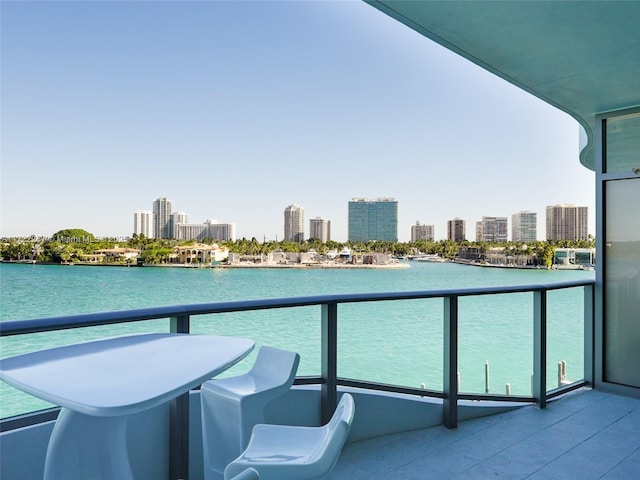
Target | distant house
(574,258)
(470,254)
(92,258)
(112,255)
(199,254)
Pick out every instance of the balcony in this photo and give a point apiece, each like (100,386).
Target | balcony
(412,429)
(586,434)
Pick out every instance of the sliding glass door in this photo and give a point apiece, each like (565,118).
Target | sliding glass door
(620,256)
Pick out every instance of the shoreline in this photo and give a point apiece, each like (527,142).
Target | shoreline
(391,266)
(337,266)
(315,265)
(495,265)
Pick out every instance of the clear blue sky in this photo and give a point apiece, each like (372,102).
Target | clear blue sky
(235,110)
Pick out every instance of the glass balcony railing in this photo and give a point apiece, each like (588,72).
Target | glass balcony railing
(523,343)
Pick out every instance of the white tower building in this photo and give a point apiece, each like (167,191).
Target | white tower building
(294,223)
(143,223)
(162,218)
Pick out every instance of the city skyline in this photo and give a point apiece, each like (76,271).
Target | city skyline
(334,101)
(523,226)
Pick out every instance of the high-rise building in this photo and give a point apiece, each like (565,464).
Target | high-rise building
(422,232)
(524,227)
(456,230)
(478,231)
(190,231)
(225,232)
(294,223)
(207,230)
(320,229)
(177,218)
(495,229)
(143,223)
(567,222)
(373,220)
(162,218)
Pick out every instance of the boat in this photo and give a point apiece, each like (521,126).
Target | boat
(429,257)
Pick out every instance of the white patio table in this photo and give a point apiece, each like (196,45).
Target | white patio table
(99,383)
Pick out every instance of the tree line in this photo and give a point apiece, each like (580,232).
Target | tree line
(69,245)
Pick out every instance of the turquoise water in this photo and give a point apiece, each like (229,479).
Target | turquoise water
(390,342)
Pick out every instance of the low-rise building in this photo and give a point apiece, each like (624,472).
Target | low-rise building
(117,254)
(574,258)
(199,254)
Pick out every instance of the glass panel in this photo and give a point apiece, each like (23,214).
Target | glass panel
(279,328)
(622,282)
(495,344)
(565,336)
(623,144)
(396,342)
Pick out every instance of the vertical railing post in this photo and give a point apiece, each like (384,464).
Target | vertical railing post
(589,326)
(180,324)
(540,347)
(450,367)
(329,361)
(179,418)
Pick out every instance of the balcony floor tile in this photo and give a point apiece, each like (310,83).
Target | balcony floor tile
(586,434)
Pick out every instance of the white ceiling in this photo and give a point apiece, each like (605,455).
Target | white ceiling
(581,56)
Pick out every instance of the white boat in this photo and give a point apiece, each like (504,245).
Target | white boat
(430,257)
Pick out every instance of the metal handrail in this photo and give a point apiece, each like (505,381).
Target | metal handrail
(19,327)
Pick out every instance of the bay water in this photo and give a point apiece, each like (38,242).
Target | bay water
(396,342)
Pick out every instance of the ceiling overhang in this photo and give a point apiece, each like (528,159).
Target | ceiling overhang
(582,57)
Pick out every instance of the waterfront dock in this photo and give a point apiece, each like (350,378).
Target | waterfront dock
(316,265)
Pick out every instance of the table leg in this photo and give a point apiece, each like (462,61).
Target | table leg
(87,447)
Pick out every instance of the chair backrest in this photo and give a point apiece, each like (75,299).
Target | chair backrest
(248,474)
(336,433)
(277,367)
(314,450)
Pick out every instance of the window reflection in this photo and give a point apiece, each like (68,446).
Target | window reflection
(623,143)
(622,281)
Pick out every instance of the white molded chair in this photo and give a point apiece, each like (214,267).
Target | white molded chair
(232,406)
(279,452)
(248,474)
